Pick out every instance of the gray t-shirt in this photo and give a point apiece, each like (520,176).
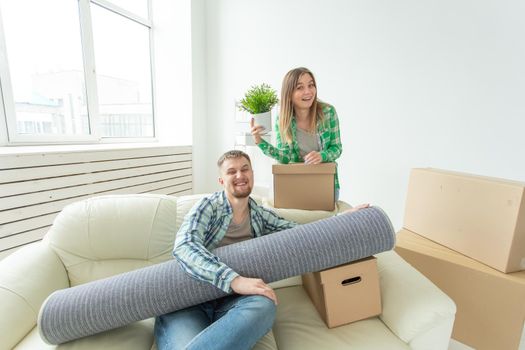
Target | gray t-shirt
(307,142)
(237,232)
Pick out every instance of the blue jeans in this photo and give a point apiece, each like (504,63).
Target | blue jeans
(233,322)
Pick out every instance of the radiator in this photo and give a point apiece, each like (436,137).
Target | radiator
(34,187)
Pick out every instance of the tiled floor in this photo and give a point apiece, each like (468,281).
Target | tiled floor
(455,345)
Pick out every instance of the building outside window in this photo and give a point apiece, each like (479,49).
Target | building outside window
(76,71)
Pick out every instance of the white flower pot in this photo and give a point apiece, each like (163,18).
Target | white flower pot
(264,119)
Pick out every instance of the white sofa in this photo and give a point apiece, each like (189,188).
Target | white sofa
(107,235)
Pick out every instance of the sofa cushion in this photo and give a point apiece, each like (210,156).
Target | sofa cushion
(136,336)
(287,282)
(266,343)
(299,326)
(104,236)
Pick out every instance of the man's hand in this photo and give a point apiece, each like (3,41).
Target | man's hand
(251,286)
(356,208)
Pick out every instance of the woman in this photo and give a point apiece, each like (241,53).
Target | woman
(307,129)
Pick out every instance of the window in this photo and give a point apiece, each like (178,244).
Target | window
(123,75)
(75,70)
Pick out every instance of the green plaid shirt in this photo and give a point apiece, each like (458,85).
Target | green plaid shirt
(206,225)
(329,142)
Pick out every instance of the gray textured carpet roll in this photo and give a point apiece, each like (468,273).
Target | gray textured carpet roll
(122,299)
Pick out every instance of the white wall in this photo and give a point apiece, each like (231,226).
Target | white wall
(180,65)
(416,83)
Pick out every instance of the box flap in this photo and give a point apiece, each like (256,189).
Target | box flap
(473,176)
(301,168)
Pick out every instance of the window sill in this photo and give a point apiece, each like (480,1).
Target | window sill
(71,148)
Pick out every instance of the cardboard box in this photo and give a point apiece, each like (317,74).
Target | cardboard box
(490,304)
(301,186)
(345,293)
(481,217)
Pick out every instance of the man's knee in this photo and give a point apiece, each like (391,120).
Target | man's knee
(263,308)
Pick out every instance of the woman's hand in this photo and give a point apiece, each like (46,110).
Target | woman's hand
(356,208)
(256,131)
(250,286)
(313,158)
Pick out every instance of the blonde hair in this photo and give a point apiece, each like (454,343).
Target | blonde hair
(287,111)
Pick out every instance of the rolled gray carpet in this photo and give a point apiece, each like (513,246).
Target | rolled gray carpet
(116,301)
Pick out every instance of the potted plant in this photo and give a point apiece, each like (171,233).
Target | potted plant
(259,101)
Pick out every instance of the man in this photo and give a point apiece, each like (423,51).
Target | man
(239,320)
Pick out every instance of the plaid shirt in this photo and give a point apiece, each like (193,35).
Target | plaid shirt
(205,226)
(329,141)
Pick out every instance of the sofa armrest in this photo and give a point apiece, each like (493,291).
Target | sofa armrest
(27,277)
(414,309)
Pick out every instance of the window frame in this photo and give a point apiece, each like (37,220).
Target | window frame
(8,131)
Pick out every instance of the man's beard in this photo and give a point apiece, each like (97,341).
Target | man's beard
(242,194)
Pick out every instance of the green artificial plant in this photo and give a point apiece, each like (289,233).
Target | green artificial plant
(259,99)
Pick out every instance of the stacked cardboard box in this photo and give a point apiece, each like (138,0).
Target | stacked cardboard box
(467,234)
(345,293)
